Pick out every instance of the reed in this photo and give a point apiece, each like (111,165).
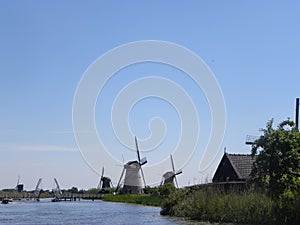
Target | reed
(236,207)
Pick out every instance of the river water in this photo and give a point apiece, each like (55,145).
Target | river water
(83,212)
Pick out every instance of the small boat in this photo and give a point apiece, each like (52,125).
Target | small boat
(6,201)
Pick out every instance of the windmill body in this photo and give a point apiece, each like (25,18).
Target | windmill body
(170,176)
(105,182)
(134,181)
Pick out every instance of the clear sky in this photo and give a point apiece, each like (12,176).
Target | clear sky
(252,47)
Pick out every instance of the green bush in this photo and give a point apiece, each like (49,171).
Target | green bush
(288,210)
(209,205)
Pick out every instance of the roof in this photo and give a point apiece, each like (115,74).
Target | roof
(233,167)
(241,163)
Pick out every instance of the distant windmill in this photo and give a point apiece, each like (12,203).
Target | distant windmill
(170,176)
(134,180)
(105,182)
(20,186)
(37,191)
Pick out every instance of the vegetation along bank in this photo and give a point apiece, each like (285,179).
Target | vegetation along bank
(272,195)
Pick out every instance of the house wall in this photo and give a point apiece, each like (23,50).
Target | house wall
(225,172)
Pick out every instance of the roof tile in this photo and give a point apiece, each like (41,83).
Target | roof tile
(242,164)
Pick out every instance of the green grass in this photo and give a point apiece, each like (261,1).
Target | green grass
(144,199)
(235,207)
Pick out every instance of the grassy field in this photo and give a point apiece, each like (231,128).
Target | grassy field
(145,199)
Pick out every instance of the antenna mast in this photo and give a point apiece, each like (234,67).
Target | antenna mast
(297,113)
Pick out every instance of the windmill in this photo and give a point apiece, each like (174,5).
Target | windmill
(37,191)
(170,176)
(105,182)
(134,180)
(57,192)
(20,186)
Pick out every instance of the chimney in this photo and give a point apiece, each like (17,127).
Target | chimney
(297,113)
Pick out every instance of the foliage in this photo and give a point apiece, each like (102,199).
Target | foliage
(277,165)
(214,206)
(163,190)
(166,189)
(45,194)
(288,208)
(171,201)
(73,190)
(154,197)
(144,199)
(92,191)
(81,191)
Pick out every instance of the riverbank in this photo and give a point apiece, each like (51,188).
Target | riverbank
(156,196)
(244,207)
(144,199)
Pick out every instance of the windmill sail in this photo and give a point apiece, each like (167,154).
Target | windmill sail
(141,162)
(121,177)
(137,150)
(101,179)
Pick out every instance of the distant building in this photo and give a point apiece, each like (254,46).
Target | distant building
(20,187)
(233,167)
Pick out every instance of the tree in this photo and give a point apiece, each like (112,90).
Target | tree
(93,191)
(277,165)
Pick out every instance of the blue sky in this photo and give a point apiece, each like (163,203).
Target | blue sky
(46,46)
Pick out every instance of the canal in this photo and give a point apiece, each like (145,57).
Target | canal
(83,212)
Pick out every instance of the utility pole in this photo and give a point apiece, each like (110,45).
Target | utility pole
(297,113)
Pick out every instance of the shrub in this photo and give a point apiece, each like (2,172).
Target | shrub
(209,205)
(288,210)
